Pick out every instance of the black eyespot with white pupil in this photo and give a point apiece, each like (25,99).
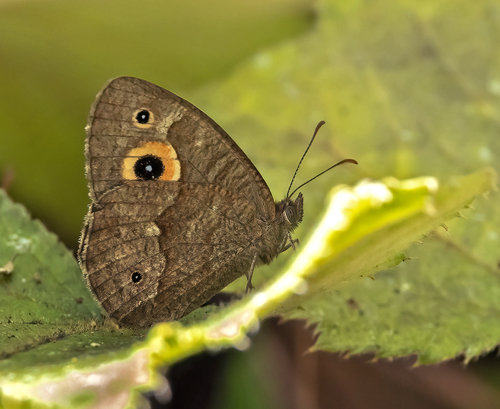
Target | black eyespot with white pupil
(142,117)
(136,277)
(149,167)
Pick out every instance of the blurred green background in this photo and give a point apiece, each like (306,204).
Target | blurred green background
(56,55)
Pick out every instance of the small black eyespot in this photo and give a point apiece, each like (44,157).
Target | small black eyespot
(136,277)
(142,117)
(149,167)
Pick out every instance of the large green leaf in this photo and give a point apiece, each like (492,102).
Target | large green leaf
(364,229)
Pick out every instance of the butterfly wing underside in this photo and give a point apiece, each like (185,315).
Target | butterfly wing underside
(176,204)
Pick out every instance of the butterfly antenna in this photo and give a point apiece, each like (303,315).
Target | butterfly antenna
(318,175)
(326,170)
(320,124)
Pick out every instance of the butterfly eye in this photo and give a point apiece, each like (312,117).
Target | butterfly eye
(143,118)
(149,167)
(136,277)
(288,213)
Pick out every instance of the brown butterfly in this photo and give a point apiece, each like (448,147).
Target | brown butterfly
(178,210)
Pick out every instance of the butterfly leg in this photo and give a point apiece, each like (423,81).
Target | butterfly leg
(249,275)
(292,243)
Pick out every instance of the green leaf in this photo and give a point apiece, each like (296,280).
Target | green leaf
(361,232)
(42,294)
(433,313)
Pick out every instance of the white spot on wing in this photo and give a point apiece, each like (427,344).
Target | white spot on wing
(174,116)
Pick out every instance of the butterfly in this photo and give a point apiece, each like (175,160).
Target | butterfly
(178,210)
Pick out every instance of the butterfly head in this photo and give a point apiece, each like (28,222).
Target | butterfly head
(290,211)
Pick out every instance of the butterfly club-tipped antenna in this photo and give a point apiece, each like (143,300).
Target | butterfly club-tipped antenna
(288,194)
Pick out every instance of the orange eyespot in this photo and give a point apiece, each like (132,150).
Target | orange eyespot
(143,118)
(151,161)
